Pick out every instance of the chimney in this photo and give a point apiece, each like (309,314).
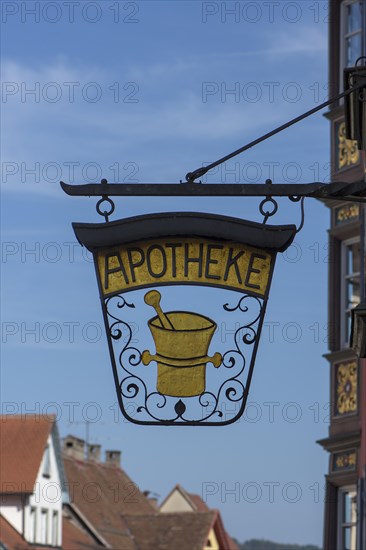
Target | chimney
(152,498)
(113,457)
(94,452)
(154,502)
(74,447)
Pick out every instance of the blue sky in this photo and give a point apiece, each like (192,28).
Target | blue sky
(146,93)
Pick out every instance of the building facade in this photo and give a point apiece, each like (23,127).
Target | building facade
(180,501)
(72,500)
(344,523)
(32,482)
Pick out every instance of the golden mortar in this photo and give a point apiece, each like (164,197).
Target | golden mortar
(181,354)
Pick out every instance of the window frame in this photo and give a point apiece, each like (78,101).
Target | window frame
(344,34)
(46,468)
(33,524)
(44,534)
(55,526)
(344,278)
(342,525)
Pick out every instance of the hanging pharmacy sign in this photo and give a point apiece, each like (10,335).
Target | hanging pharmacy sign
(184,294)
(183,298)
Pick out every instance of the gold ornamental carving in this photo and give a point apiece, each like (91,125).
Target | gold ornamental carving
(346,460)
(346,383)
(348,154)
(347,213)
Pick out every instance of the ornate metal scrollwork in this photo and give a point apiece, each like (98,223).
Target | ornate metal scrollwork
(222,404)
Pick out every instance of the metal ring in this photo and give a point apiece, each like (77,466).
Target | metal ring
(363,57)
(268,213)
(105,213)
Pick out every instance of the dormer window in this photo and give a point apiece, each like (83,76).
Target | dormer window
(46,471)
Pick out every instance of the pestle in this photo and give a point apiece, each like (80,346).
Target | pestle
(153,298)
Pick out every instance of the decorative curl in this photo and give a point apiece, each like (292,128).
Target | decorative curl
(156,408)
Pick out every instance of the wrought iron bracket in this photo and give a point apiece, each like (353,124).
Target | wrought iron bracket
(343,191)
(339,190)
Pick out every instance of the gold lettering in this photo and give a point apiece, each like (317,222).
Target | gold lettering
(156,265)
(233,261)
(120,268)
(174,247)
(234,266)
(252,269)
(134,265)
(188,260)
(210,261)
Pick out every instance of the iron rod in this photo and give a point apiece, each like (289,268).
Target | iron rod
(199,172)
(316,190)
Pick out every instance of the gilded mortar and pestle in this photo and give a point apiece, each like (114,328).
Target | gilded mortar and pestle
(181,340)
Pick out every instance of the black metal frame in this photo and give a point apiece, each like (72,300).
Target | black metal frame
(168,224)
(337,190)
(125,357)
(130,386)
(342,191)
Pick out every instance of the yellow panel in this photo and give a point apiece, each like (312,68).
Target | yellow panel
(347,213)
(212,542)
(186,260)
(348,153)
(346,384)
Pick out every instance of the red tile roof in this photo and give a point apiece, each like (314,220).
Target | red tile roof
(178,531)
(22,442)
(107,508)
(104,494)
(198,505)
(73,537)
(223,537)
(76,538)
(232,543)
(10,538)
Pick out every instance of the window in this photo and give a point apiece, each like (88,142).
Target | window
(33,525)
(352,34)
(347,518)
(46,472)
(55,528)
(350,285)
(44,527)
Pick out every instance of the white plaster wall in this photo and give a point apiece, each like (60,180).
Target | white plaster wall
(47,496)
(176,503)
(11,507)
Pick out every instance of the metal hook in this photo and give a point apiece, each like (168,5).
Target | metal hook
(302,207)
(105,198)
(269,199)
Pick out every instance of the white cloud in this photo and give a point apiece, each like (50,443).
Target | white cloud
(42,131)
